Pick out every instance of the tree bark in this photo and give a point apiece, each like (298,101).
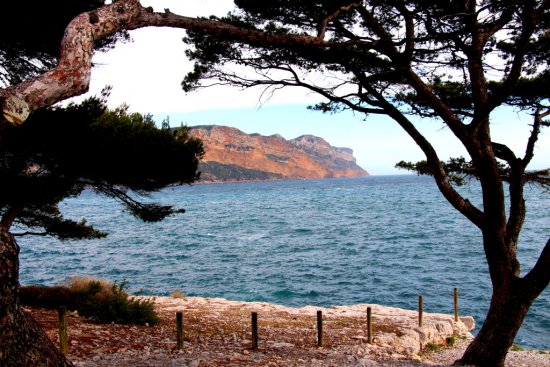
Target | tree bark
(509,306)
(496,336)
(23,342)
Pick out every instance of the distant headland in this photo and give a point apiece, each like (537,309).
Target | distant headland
(232,155)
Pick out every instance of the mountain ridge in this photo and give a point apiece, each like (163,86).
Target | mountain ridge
(232,155)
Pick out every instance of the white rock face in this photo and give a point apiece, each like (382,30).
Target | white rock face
(404,337)
(469,322)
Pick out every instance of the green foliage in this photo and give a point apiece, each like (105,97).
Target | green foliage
(61,151)
(517,348)
(303,13)
(116,306)
(100,301)
(432,347)
(421,168)
(451,340)
(50,219)
(456,95)
(459,171)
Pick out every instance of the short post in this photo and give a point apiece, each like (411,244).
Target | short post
(369,325)
(179,329)
(420,312)
(456,304)
(254,330)
(63,339)
(320,328)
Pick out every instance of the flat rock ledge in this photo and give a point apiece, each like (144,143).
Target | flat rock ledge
(395,331)
(217,332)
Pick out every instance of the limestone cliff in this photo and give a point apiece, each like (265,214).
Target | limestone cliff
(232,155)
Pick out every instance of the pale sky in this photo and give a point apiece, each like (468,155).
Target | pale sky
(146,74)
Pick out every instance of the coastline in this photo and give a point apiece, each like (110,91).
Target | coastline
(210,182)
(217,333)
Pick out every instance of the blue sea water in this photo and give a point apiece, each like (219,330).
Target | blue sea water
(380,239)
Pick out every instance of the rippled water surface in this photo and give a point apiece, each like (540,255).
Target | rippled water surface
(321,242)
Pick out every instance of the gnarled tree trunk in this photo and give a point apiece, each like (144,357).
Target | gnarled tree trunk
(512,296)
(23,342)
(496,336)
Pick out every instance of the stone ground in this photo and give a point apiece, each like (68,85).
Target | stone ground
(217,333)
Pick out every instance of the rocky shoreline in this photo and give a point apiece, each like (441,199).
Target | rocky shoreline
(217,333)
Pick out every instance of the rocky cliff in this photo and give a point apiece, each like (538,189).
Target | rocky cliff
(232,155)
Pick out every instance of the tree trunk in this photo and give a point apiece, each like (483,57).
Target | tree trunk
(496,336)
(23,342)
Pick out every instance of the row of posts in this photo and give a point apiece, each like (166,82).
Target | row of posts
(421,311)
(63,344)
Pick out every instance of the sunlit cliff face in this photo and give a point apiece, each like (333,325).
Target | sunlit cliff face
(304,157)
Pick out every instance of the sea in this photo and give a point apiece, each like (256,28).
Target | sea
(378,239)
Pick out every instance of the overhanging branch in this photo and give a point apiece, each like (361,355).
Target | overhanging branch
(72,75)
(461,204)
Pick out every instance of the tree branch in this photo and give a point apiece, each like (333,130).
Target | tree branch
(516,217)
(72,75)
(409,30)
(385,45)
(539,277)
(503,152)
(425,92)
(323,24)
(529,20)
(9,217)
(28,233)
(537,123)
(442,180)
(295,81)
(146,212)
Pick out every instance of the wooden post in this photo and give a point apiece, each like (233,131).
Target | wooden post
(320,328)
(369,325)
(420,312)
(254,330)
(63,339)
(456,304)
(179,328)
